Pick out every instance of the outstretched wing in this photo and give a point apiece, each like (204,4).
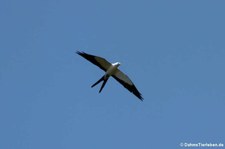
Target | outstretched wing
(98,61)
(127,83)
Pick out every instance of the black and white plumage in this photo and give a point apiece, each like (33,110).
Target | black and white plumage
(111,69)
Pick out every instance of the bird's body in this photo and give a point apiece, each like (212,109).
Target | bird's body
(111,69)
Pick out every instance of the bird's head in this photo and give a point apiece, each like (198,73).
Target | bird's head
(117,64)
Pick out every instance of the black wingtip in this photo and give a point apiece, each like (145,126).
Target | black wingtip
(140,97)
(79,53)
(83,54)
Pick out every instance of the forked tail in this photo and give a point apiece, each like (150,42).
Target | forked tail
(104,79)
(103,84)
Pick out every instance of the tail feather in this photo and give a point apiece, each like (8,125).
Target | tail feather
(101,79)
(103,84)
(104,79)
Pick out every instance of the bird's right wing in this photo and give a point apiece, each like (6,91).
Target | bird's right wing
(127,83)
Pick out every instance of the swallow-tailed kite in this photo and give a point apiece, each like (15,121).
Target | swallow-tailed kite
(111,69)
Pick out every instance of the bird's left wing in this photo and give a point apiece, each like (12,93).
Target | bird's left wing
(127,83)
(98,61)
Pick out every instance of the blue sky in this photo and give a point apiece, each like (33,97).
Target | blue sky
(174,51)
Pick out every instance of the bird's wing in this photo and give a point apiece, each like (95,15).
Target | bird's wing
(127,83)
(98,61)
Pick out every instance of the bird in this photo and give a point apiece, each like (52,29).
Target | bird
(111,70)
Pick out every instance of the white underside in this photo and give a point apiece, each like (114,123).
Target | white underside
(113,70)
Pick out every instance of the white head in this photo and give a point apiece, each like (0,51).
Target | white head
(117,64)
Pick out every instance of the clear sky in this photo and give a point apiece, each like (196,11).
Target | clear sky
(174,52)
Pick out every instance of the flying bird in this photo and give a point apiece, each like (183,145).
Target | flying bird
(111,69)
